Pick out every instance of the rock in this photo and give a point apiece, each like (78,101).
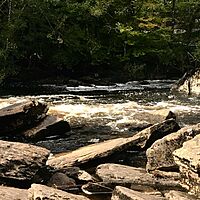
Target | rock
(116,174)
(92,153)
(11,193)
(96,188)
(38,191)
(122,193)
(21,161)
(21,115)
(178,195)
(51,125)
(84,176)
(188,160)
(159,155)
(189,83)
(62,181)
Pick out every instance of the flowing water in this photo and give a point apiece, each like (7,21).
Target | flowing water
(98,113)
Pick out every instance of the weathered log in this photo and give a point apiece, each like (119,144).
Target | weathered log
(20,161)
(115,174)
(38,191)
(188,160)
(21,115)
(91,153)
(51,125)
(11,193)
(159,155)
(121,193)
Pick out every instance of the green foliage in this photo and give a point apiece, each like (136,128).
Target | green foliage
(143,38)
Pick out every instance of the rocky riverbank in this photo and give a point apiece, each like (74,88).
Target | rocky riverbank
(164,159)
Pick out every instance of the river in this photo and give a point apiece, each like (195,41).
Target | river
(98,113)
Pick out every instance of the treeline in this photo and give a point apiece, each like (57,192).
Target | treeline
(135,39)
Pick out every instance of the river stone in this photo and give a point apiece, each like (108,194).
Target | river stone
(51,125)
(122,193)
(117,174)
(11,193)
(189,83)
(21,115)
(38,191)
(159,155)
(92,153)
(188,160)
(21,161)
(178,195)
(61,181)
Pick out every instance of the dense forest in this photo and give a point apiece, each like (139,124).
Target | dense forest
(113,39)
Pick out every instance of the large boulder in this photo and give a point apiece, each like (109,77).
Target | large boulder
(189,83)
(159,155)
(38,191)
(92,153)
(51,125)
(116,174)
(188,160)
(21,115)
(20,161)
(10,193)
(122,193)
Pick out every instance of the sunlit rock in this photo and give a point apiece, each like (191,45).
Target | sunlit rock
(20,161)
(95,152)
(51,125)
(189,83)
(38,191)
(159,155)
(178,195)
(122,193)
(10,193)
(21,115)
(188,160)
(138,178)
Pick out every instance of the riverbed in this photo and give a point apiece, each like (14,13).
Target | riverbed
(98,113)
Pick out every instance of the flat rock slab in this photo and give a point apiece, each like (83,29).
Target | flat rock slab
(116,174)
(188,160)
(160,154)
(178,195)
(21,115)
(10,193)
(20,161)
(93,152)
(51,125)
(38,191)
(122,193)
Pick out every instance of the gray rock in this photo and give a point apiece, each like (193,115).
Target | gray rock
(61,181)
(91,153)
(21,115)
(115,174)
(122,193)
(38,191)
(159,155)
(10,193)
(51,125)
(188,160)
(21,161)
